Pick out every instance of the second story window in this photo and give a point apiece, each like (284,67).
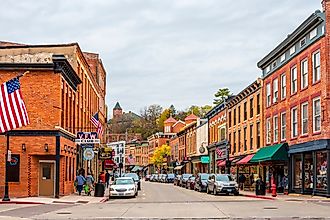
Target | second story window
(275,90)
(245,139)
(229,118)
(234,141)
(316,67)
(234,113)
(304,118)
(239,114)
(294,122)
(258,135)
(251,136)
(293,80)
(275,124)
(268,95)
(304,74)
(283,126)
(283,86)
(268,131)
(317,115)
(222,133)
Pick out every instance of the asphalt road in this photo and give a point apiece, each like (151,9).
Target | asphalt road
(165,201)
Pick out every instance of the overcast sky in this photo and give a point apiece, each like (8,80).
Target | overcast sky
(162,51)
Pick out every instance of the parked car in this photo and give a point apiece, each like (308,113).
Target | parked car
(170,178)
(123,186)
(222,183)
(184,179)
(191,183)
(201,182)
(136,179)
(147,177)
(176,180)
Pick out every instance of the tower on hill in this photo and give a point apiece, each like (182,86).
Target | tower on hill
(117,111)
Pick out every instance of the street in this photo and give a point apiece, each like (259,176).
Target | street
(165,201)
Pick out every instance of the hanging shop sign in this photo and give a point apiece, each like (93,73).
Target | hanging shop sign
(205,159)
(87,138)
(88,154)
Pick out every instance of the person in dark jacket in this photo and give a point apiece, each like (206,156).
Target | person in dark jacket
(107,178)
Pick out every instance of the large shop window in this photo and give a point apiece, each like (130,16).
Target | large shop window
(308,171)
(321,170)
(297,171)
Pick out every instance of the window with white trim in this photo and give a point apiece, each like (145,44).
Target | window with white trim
(292,49)
(316,67)
(268,131)
(282,58)
(304,118)
(294,80)
(304,73)
(275,90)
(268,95)
(283,126)
(313,33)
(294,122)
(275,125)
(283,86)
(302,42)
(317,115)
(267,69)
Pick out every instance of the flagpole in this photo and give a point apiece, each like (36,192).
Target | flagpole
(6,195)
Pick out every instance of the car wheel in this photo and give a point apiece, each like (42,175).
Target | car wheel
(214,191)
(236,193)
(137,193)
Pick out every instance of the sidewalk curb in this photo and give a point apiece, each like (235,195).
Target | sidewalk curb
(259,197)
(22,203)
(104,200)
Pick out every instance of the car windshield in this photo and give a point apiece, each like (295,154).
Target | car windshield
(192,178)
(224,178)
(204,176)
(186,176)
(124,182)
(133,175)
(170,175)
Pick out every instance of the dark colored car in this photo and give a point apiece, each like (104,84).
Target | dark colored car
(170,178)
(222,183)
(191,183)
(147,177)
(184,179)
(176,181)
(136,179)
(201,182)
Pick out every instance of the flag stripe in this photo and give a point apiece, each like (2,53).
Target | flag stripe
(23,109)
(9,109)
(11,100)
(3,106)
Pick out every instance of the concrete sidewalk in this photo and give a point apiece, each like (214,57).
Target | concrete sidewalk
(70,199)
(289,197)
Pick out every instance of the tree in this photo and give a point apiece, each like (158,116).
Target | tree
(160,121)
(160,155)
(221,95)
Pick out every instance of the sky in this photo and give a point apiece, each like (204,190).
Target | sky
(163,52)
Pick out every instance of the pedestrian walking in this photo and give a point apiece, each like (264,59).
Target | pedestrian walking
(80,183)
(89,182)
(102,177)
(107,178)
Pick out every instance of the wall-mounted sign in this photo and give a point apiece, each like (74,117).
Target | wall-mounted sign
(87,138)
(205,159)
(88,154)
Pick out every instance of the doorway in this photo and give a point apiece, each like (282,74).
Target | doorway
(46,179)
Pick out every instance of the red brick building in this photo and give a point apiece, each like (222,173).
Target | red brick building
(297,104)
(61,92)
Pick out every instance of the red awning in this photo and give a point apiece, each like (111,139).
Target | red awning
(245,160)
(222,163)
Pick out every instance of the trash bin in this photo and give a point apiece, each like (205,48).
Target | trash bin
(262,188)
(99,190)
(258,187)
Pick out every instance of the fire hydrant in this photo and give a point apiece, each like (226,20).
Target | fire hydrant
(273,188)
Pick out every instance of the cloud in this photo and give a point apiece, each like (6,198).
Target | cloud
(165,52)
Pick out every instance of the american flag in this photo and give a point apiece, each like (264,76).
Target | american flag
(13,112)
(219,152)
(95,121)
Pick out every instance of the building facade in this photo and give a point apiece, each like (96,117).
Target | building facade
(61,94)
(297,103)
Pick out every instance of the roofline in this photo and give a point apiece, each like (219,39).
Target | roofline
(315,18)
(240,96)
(39,45)
(218,108)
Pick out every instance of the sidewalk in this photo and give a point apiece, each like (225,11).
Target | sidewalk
(289,197)
(70,199)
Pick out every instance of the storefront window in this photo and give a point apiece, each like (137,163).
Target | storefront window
(308,171)
(297,171)
(321,170)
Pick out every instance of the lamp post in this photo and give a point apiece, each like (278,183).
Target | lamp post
(228,163)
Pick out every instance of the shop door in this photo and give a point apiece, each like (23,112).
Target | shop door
(46,179)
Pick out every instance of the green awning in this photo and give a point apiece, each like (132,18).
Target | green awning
(135,169)
(275,152)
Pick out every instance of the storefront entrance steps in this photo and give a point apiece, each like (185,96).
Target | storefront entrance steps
(289,197)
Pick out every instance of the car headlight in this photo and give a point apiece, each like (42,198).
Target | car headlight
(131,188)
